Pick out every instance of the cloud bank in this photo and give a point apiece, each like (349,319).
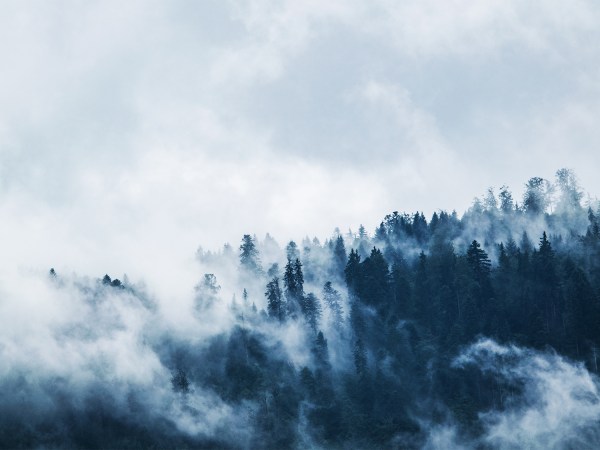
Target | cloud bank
(122,124)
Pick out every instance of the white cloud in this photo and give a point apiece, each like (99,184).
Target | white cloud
(136,132)
(559,403)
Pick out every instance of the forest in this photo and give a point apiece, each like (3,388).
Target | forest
(473,331)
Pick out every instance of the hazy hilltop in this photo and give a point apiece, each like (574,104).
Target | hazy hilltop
(172,174)
(478,331)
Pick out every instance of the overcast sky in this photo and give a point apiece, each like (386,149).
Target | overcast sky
(132,132)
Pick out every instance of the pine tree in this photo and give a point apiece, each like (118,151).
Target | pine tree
(289,280)
(299,276)
(339,256)
(249,258)
(275,306)
(352,271)
(311,309)
(478,261)
(292,251)
(544,259)
(375,286)
(332,299)
(419,226)
(503,259)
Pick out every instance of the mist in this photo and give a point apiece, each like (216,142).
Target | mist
(291,224)
(414,335)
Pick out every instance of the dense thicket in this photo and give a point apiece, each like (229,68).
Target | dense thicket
(377,321)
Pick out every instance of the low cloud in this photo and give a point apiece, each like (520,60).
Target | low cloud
(549,403)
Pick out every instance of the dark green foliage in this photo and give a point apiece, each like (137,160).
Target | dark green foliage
(408,319)
(275,303)
(360,360)
(371,280)
(299,278)
(293,282)
(374,363)
(339,256)
(479,261)
(351,271)
(311,309)
(243,365)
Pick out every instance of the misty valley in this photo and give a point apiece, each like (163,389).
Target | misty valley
(447,331)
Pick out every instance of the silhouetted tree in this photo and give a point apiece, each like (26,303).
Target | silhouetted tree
(339,256)
(275,304)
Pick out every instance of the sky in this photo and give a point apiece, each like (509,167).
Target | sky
(133,132)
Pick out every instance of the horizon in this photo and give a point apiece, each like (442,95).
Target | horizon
(123,126)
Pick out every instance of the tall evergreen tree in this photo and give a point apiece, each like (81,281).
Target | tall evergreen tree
(249,258)
(311,309)
(293,281)
(339,256)
(478,261)
(299,278)
(275,302)
(375,279)
(289,280)
(352,271)
(292,251)
(332,299)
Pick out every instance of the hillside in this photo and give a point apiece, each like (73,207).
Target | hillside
(480,330)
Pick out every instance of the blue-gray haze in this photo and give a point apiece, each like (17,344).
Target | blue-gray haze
(131,133)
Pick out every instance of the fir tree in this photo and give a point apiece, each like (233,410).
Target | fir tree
(275,306)
(249,258)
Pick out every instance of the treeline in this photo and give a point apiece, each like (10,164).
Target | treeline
(350,343)
(415,293)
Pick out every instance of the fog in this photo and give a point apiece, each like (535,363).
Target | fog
(143,140)
(557,405)
(201,356)
(123,127)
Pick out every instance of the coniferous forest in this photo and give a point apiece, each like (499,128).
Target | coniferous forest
(478,330)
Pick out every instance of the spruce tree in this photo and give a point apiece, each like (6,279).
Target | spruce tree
(249,258)
(275,306)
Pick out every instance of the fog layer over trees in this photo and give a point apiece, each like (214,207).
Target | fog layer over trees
(480,331)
